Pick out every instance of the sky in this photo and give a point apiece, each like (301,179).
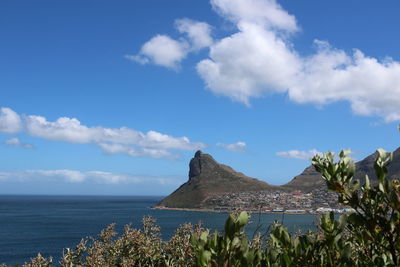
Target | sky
(115,97)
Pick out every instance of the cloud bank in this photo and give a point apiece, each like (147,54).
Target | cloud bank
(73,176)
(298,154)
(259,59)
(112,140)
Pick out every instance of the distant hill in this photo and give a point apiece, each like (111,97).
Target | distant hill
(310,178)
(208,178)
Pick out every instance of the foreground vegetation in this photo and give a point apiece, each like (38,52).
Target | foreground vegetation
(367,237)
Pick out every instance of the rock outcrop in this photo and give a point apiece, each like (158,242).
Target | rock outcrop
(208,178)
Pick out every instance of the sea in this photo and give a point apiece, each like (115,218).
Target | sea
(47,224)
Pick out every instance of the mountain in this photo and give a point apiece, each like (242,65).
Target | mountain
(208,178)
(310,178)
(366,166)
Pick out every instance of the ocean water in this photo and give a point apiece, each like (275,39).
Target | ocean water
(47,224)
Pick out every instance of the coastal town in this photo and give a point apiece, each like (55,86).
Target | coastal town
(318,200)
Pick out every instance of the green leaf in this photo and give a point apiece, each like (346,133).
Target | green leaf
(205,257)
(204,236)
(381,152)
(367,182)
(243,218)
(286,259)
(381,187)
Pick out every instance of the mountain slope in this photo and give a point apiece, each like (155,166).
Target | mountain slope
(208,178)
(310,178)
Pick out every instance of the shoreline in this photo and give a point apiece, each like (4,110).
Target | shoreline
(307,212)
(187,209)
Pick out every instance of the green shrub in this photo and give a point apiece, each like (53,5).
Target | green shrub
(230,249)
(374,227)
(367,237)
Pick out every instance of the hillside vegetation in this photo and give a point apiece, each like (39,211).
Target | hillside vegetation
(367,237)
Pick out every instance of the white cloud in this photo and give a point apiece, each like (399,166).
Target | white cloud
(162,50)
(270,65)
(267,13)
(71,130)
(112,140)
(370,86)
(16,142)
(198,33)
(74,176)
(10,122)
(135,152)
(68,175)
(259,59)
(298,154)
(235,147)
(167,52)
(249,63)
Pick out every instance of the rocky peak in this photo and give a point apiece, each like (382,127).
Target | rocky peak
(195,165)
(198,154)
(201,163)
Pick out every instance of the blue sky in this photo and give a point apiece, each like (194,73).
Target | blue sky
(114,97)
